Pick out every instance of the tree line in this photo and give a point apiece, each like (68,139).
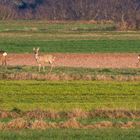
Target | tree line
(126,12)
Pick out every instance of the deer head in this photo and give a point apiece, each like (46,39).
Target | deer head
(36,50)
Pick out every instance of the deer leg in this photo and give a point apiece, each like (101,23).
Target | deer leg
(2,63)
(137,64)
(44,68)
(39,67)
(5,62)
(51,67)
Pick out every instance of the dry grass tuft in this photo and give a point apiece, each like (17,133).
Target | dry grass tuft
(38,114)
(15,115)
(103,124)
(89,126)
(4,114)
(64,76)
(71,123)
(137,124)
(114,114)
(39,124)
(128,125)
(2,126)
(18,123)
(53,125)
(77,113)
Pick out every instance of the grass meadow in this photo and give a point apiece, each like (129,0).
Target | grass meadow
(62,96)
(66,37)
(72,134)
(69,37)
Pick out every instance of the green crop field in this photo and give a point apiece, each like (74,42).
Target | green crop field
(28,95)
(70,46)
(72,37)
(70,134)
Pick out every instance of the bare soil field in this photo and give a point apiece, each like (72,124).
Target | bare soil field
(105,60)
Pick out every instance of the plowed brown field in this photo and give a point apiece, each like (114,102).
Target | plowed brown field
(105,60)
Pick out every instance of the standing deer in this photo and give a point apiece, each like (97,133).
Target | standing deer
(43,59)
(138,60)
(3,58)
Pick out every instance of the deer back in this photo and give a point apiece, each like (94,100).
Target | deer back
(46,58)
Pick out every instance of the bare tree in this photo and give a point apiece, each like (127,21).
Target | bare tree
(123,11)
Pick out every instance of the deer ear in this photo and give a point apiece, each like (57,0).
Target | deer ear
(33,49)
(38,49)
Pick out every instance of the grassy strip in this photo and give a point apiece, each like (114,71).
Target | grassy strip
(53,26)
(73,71)
(83,117)
(71,46)
(41,36)
(83,121)
(28,95)
(69,74)
(71,134)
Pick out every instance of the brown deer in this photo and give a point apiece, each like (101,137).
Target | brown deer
(43,59)
(3,58)
(138,60)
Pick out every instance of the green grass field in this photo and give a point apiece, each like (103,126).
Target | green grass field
(71,46)
(72,134)
(72,37)
(28,95)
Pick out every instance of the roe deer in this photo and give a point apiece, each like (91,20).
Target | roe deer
(43,59)
(3,58)
(138,60)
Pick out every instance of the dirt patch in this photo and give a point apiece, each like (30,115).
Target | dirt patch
(103,60)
